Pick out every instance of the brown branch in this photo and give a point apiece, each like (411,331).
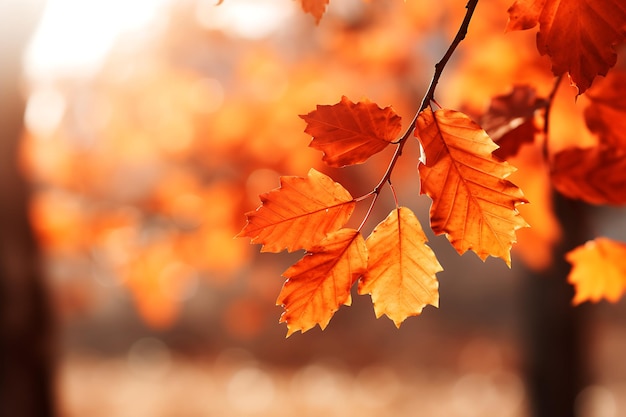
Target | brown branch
(546,119)
(428,97)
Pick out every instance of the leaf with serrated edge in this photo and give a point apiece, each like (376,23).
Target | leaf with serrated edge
(299,213)
(598,270)
(401,268)
(578,35)
(473,204)
(349,133)
(320,282)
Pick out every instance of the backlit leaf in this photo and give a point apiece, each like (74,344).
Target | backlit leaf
(401,268)
(299,213)
(598,270)
(509,121)
(473,203)
(606,114)
(349,133)
(320,282)
(578,35)
(594,175)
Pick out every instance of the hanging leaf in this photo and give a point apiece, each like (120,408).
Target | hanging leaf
(401,269)
(349,133)
(320,282)
(536,244)
(606,114)
(299,213)
(594,175)
(510,120)
(315,7)
(578,35)
(598,270)
(473,203)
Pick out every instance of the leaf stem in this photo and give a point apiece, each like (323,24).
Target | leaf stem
(428,97)
(369,210)
(546,118)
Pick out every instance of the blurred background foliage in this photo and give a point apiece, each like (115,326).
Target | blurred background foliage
(151,127)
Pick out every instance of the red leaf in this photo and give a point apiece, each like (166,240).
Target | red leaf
(320,282)
(299,213)
(509,121)
(578,35)
(349,133)
(606,115)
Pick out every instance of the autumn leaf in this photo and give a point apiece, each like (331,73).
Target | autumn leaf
(509,121)
(320,282)
(315,7)
(578,35)
(349,133)
(606,114)
(598,270)
(473,203)
(299,213)
(595,175)
(401,269)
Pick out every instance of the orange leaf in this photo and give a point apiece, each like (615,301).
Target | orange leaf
(349,133)
(401,268)
(315,7)
(473,204)
(320,282)
(578,35)
(598,270)
(299,213)
(509,121)
(606,115)
(595,175)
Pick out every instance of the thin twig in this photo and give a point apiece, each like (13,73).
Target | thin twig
(428,97)
(546,118)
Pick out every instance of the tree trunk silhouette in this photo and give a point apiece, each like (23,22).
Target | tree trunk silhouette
(25,320)
(557,359)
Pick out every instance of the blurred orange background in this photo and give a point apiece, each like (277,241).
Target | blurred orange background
(151,127)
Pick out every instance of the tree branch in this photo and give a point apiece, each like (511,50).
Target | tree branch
(546,118)
(428,97)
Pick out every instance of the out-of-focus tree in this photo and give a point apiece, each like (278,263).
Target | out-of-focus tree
(26,345)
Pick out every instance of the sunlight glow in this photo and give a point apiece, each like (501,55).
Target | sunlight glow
(251,19)
(44,111)
(74,36)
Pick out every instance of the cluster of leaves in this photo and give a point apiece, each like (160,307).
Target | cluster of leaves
(462,170)
(125,183)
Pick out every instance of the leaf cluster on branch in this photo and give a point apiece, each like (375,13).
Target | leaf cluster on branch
(462,169)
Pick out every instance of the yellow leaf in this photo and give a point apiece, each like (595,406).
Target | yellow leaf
(598,270)
(401,268)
